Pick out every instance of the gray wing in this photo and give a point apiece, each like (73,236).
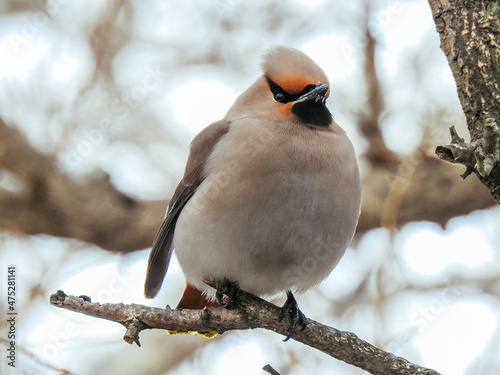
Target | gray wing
(161,252)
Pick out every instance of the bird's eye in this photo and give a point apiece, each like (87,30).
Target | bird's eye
(279,96)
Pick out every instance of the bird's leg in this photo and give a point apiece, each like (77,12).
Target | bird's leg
(291,308)
(227,292)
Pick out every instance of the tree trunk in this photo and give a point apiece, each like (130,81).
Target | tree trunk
(470,38)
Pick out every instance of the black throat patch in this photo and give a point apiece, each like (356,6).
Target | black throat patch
(312,112)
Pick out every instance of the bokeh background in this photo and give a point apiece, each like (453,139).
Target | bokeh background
(119,88)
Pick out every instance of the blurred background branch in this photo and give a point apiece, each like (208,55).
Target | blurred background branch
(45,201)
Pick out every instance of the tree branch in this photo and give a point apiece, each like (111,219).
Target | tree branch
(250,312)
(377,154)
(470,38)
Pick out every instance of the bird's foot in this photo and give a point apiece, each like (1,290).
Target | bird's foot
(297,317)
(227,292)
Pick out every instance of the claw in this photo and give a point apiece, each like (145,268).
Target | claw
(291,308)
(227,292)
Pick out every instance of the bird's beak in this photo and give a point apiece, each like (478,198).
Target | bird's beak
(316,94)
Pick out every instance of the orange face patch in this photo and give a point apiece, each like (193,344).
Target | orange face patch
(285,111)
(294,85)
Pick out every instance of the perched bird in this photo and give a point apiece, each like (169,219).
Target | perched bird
(271,194)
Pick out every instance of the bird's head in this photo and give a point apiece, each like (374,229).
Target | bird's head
(293,88)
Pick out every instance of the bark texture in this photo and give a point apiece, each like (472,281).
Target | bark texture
(470,38)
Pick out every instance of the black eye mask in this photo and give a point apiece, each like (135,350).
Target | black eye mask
(282,96)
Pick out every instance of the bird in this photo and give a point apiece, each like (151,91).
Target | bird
(270,196)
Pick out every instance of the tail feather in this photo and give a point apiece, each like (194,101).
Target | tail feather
(159,258)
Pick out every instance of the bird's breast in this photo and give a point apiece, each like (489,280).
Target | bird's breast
(272,199)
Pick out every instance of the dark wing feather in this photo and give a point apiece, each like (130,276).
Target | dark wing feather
(159,258)
(161,251)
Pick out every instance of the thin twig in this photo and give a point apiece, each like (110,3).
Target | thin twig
(269,369)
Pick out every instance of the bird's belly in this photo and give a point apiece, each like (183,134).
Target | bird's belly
(287,232)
